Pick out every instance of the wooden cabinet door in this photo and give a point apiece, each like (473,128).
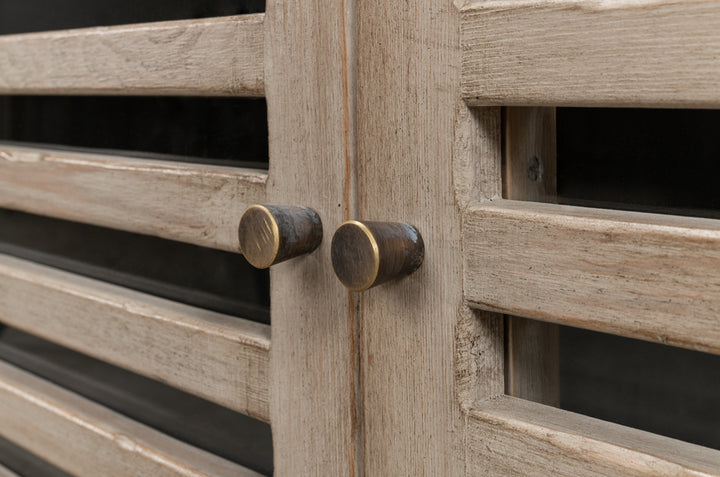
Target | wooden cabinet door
(310,84)
(309,74)
(300,373)
(446,382)
(414,135)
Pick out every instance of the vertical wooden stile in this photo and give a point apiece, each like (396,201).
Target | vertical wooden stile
(422,157)
(530,173)
(313,359)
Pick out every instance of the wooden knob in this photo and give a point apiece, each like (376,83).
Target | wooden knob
(271,234)
(366,254)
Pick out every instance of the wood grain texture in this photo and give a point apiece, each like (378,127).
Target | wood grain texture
(647,276)
(533,360)
(477,154)
(479,346)
(414,136)
(220,358)
(199,204)
(310,56)
(530,173)
(509,436)
(650,53)
(87,439)
(217,56)
(530,161)
(479,357)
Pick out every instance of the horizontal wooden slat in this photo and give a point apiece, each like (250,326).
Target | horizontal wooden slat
(199,204)
(220,56)
(648,276)
(651,53)
(5,472)
(509,436)
(87,439)
(217,357)
(25,463)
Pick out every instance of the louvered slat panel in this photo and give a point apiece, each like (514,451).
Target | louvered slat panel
(221,358)
(85,438)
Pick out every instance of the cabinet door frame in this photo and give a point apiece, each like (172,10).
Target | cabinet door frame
(310,90)
(432,78)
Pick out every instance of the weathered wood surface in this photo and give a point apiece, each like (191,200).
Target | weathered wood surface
(199,204)
(87,439)
(422,155)
(509,436)
(647,276)
(310,84)
(216,56)
(650,53)
(221,358)
(530,173)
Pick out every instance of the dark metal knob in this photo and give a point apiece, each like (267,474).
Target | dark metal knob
(271,234)
(366,254)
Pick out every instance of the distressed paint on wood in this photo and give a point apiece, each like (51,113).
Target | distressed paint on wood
(217,57)
(85,438)
(220,358)
(644,53)
(198,204)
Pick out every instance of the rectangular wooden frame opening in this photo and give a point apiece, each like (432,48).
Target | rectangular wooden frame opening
(655,161)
